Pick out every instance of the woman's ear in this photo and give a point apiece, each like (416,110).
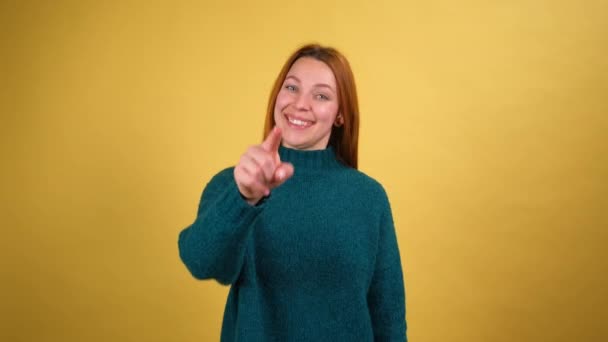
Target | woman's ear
(339,120)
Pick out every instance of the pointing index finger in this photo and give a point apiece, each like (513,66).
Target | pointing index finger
(273,140)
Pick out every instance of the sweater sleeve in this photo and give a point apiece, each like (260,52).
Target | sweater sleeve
(213,247)
(386,295)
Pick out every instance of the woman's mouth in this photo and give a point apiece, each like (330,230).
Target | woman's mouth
(298,122)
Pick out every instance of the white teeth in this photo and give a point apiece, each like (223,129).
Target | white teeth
(299,122)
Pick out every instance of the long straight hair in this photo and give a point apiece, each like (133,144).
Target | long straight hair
(345,138)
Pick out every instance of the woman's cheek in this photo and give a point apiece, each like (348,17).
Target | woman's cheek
(281,102)
(328,111)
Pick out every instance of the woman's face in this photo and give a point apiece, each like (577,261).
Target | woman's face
(307,105)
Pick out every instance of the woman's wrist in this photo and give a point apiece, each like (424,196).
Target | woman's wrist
(253,201)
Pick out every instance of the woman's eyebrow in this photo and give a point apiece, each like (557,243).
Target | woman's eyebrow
(324,86)
(292,76)
(318,85)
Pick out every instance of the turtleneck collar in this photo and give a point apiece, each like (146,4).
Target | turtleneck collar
(315,159)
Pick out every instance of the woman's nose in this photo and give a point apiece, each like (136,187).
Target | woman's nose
(302,102)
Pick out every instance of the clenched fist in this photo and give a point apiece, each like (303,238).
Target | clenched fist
(260,169)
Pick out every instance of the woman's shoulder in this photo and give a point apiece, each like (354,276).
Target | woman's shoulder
(227,172)
(365,182)
(222,178)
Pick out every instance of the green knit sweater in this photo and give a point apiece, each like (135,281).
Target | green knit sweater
(317,260)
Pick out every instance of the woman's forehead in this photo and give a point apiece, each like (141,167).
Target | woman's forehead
(310,70)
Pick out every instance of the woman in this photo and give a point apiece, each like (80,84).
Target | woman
(305,240)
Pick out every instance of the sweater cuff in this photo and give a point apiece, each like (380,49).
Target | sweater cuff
(234,207)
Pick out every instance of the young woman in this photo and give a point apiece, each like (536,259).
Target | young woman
(305,240)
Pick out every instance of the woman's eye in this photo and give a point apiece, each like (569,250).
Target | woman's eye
(322,97)
(290,88)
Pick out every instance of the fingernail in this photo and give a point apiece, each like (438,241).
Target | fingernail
(281,174)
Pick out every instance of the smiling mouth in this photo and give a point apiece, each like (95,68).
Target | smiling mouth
(299,123)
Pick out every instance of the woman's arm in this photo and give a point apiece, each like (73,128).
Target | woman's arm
(213,247)
(386,295)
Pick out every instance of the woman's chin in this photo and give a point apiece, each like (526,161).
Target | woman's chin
(291,140)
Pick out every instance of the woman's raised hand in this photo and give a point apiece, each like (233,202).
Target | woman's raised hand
(260,169)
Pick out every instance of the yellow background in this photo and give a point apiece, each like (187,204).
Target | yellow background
(485,121)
